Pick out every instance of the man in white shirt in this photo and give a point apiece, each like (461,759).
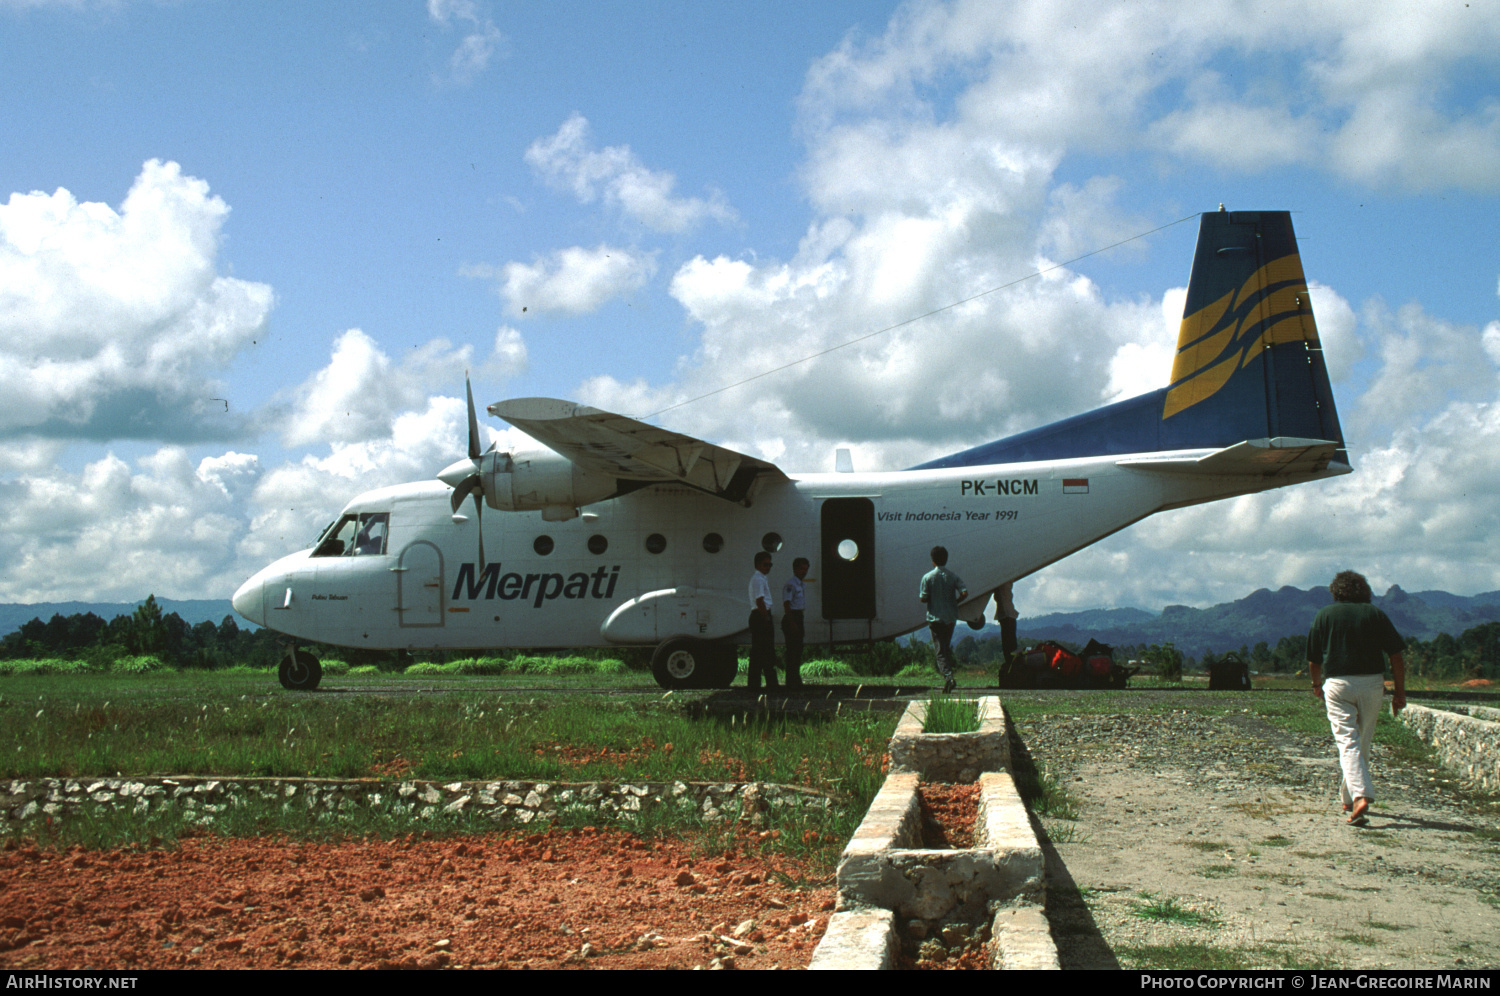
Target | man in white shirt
(793,626)
(762,633)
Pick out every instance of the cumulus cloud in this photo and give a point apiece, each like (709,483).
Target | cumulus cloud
(163,523)
(569,161)
(114,533)
(923,195)
(363,392)
(479,45)
(1369,92)
(574,281)
(113,324)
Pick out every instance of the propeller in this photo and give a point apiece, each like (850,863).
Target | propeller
(465,476)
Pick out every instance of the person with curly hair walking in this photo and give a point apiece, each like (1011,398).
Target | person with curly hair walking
(1346,650)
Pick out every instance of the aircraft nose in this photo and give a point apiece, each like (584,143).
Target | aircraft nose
(249,602)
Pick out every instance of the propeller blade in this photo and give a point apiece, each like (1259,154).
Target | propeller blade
(475,450)
(479,525)
(462,489)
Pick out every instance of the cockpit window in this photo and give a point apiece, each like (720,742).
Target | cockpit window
(372,529)
(357,534)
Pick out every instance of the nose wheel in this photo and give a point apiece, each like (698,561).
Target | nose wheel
(300,671)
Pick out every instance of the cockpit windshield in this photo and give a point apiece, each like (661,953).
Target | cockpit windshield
(356,534)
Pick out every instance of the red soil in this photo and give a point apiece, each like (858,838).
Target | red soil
(949,812)
(503,901)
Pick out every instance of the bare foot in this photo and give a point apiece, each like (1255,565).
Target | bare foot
(1361,806)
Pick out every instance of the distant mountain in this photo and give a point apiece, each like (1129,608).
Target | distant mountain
(14,615)
(1263,615)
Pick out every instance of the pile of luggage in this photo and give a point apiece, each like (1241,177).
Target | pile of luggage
(1051,665)
(1229,673)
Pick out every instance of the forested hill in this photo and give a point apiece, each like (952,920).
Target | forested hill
(14,615)
(1262,615)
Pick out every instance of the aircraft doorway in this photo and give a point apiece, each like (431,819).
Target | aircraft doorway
(419,590)
(848,549)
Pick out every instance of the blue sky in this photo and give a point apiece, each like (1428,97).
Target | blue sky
(323,214)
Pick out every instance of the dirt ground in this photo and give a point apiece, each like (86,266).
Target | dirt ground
(560,899)
(1219,841)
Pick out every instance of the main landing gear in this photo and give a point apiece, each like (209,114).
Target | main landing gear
(686,662)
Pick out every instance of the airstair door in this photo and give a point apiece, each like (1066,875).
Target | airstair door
(848,554)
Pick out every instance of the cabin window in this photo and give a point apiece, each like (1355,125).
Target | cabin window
(849,550)
(713,542)
(542,546)
(598,544)
(656,543)
(771,542)
(356,534)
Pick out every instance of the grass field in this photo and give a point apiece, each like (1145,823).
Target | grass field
(235,724)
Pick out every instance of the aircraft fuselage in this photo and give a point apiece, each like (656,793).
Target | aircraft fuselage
(670,561)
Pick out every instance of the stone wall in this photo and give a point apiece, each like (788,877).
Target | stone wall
(507,803)
(951,757)
(1466,738)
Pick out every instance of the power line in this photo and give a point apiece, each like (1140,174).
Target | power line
(918,318)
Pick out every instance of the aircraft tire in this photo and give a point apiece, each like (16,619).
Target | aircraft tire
(683,662)
(300,672)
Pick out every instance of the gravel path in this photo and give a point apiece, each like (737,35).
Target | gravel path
(1207,837)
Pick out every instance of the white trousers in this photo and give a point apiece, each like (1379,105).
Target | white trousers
(1353,705)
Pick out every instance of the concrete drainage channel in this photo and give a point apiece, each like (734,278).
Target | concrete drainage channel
(890,887)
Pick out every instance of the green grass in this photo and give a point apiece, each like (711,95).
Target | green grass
(215,727)
(1225,959)
(1066,833)
(1365,940)
(823,670)
(231,725)
(946,714)
(1168,910)
(1216,871)
(1041,792)
(81,669)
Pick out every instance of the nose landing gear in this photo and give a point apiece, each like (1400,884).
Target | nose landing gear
(300,671)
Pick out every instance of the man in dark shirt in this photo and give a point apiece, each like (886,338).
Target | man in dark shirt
(1346,650)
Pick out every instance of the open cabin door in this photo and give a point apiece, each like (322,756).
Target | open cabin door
(848,554)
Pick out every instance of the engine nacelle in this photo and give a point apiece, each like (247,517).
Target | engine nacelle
(541,479)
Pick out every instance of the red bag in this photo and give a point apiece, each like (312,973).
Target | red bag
(1054,657)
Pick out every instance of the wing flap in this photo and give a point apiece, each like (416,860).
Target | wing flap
(605,443)
(1282,455)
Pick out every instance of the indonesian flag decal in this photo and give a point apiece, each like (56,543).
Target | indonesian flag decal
(1075,485)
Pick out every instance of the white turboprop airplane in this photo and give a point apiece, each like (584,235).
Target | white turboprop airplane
(615,532)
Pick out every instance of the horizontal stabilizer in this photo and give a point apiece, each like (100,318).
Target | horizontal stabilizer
(605,443)
(1282,455)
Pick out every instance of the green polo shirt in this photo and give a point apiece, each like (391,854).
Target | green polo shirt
(941,589)
(1349,638)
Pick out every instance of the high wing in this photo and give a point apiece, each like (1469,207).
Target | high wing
(604,443)
(1281,456)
